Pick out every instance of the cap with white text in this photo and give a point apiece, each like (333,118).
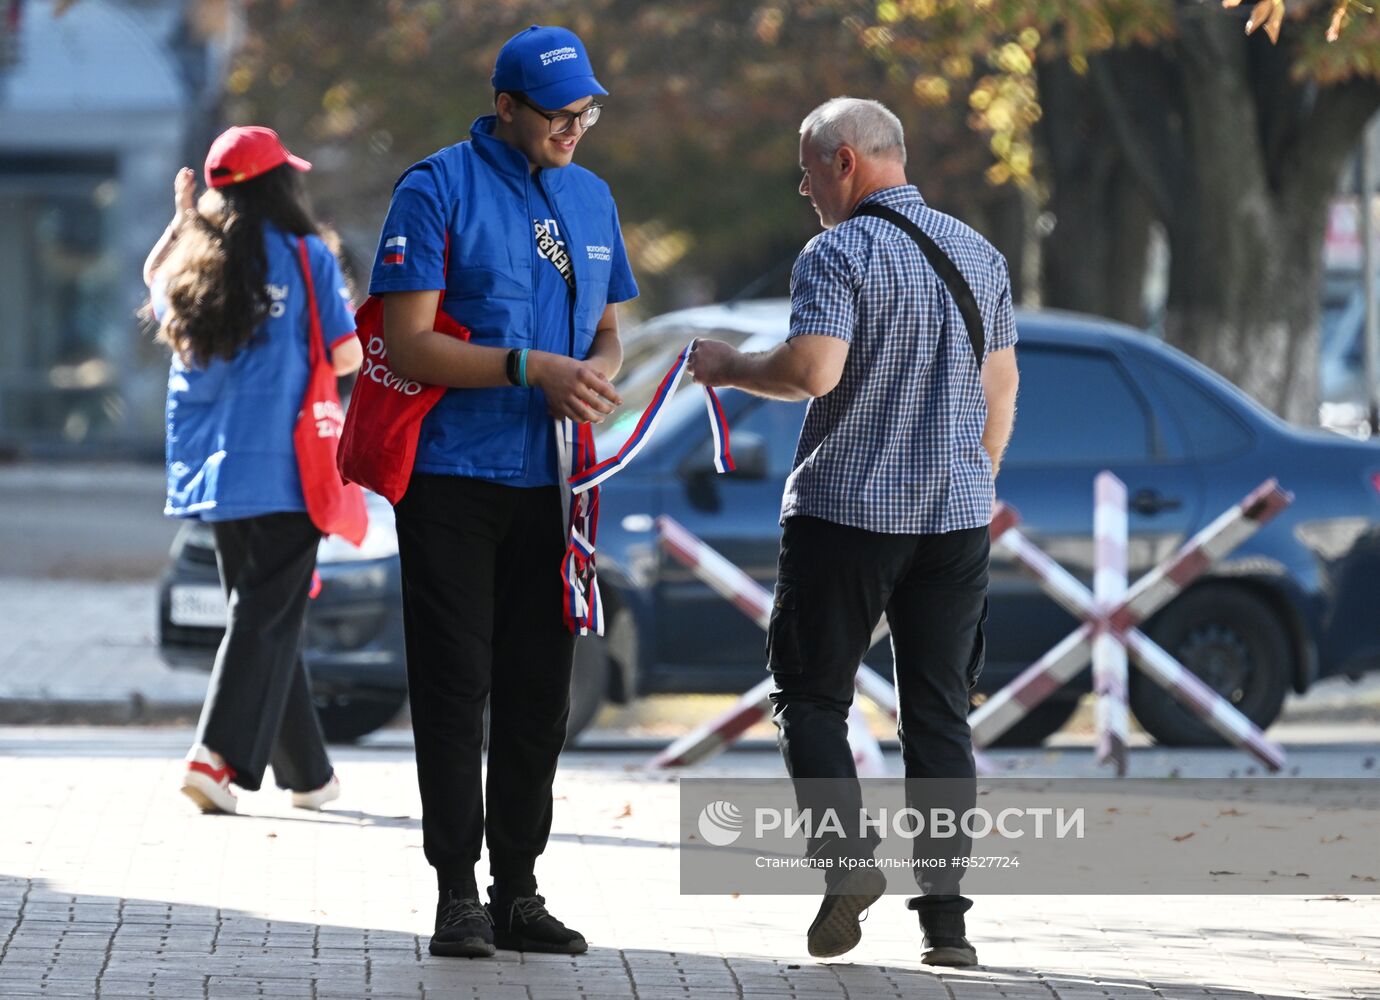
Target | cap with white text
(547,64)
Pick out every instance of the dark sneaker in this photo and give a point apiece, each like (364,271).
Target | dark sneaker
(836,928)
(945,936)
(954,952)
(463,928)
(523,924)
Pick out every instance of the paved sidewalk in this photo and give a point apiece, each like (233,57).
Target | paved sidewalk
(112,886)
(79,520)
(78,650)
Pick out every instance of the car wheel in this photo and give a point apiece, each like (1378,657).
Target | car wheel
(345,718)
(1037,725)
(1235,643)
(589,683)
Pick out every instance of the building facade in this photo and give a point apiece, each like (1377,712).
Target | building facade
(100,102)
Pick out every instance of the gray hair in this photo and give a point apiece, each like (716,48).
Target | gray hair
(867,126)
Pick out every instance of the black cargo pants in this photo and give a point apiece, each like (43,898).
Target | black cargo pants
(833,584)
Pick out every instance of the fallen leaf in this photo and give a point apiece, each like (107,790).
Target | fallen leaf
(1267,14)
(1182,837)
(1259,14)
(627,811)
(1229,812)
(1272,27)
(1340,17)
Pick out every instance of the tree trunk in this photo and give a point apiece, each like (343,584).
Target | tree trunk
(1245,266)
(1250,308)
(1239,161)
(1094,259)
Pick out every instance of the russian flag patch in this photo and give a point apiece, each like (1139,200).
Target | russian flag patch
(395,249)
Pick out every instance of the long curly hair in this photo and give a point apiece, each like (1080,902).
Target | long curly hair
(217,269)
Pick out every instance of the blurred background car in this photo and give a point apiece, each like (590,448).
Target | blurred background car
(353,640)
(1290,606)
(1344,400)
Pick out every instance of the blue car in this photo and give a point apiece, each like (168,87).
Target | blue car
(1291,605)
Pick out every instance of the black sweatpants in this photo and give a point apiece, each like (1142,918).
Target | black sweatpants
(482,614)
(258,707)
(833,584)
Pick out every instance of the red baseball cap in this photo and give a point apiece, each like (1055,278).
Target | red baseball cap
(247,151)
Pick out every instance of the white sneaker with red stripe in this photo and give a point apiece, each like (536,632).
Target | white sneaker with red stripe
(207,781)
(328,792)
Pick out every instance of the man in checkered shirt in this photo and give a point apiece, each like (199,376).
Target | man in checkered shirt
(888,504)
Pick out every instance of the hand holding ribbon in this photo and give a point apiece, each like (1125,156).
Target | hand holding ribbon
(583,608)
(574,389)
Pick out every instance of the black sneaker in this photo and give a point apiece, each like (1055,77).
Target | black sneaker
(836,928)
(945,937)
(463,928)
(952,952)
(523,924)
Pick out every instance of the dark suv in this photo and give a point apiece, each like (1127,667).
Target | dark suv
(1291,605)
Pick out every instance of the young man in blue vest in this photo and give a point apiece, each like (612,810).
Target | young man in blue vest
(523,248)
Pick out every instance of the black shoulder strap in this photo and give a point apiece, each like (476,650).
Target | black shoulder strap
(944,267)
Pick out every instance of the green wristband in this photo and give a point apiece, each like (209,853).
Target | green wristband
(522,368)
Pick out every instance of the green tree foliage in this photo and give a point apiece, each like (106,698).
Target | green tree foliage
(1228,128)
(1112,116)
(698,140)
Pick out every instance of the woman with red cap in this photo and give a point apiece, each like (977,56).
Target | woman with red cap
(235,304)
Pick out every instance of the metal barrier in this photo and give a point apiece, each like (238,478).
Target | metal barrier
(1108,620)
(754,600)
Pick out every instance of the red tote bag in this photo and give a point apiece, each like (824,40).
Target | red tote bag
(379,445)
(334,506)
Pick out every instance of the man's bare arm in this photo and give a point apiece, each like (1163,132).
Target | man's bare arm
(1000,380)
(802,368)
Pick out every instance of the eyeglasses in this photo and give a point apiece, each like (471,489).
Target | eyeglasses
(562,121)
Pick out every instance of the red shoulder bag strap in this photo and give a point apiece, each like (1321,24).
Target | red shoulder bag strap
(316,352)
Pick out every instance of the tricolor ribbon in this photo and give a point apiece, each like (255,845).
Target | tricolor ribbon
(583,608)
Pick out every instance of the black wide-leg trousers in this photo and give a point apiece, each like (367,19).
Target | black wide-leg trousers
(258,707)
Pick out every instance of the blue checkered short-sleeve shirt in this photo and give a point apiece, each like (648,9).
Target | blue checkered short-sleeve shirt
(896,447)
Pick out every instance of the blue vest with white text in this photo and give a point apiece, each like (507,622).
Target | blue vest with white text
(490,197)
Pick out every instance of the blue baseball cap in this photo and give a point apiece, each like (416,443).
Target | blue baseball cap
(549,65)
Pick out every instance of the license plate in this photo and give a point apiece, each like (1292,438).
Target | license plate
(199,607)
